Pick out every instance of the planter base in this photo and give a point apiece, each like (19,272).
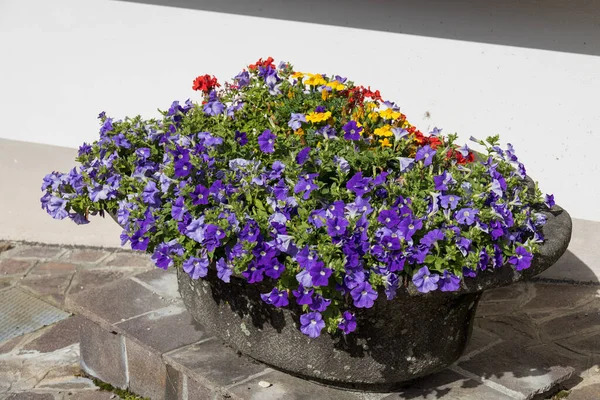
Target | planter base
(397,340)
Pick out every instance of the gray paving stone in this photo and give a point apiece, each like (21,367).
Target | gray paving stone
(448,385)
(122,259)
(480,339)
(10,266)
(573,324)
(9,345)
(85,255)
(197,390)
(40,252)
(161,282)
(587,344)
(91,395)
(497,308)
(560,296)
(518,329)
(156,329)
(30,396)
(213,364)
(591,392)
(288,387)
(53,267)
(115,302)
(525,371)
(103,355)
(506,293)
(51,287)
(58,336)
(147,371)
(87,279)
(174,385)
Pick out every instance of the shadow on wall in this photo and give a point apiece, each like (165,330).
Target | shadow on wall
(567,26)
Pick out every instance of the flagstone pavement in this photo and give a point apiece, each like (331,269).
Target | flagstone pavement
(39,336)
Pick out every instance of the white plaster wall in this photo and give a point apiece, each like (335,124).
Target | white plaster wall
(64,61)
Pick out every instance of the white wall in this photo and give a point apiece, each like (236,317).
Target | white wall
(64,61)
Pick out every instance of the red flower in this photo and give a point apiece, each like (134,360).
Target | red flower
(373,95)
(260,63)
(205,83)
(460,159)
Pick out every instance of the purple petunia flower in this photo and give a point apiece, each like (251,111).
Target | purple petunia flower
(449,282)
(352,130)
(196,267)
(303,277)
(425,281)
(56,207)
(341,163)
(151,195)
(408,226)
(312,324)
(241,138)
(303,295)
(276,298)
(319,303)
(549,200)
(337,226)
(214,106)
(406,163)
(348,322)
(463,245)
(426,154)
(306,184)
(449,201)
(442,181)
(224,271)
(242,79)
(432,237)
(200,195)
(358,184)
(296,121)
(266,142)
(389,218)
(466,215)
(522,259)
(274,269)
(303,155)
(363,295)
(319,274)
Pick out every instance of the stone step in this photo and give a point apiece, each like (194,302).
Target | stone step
(142,338)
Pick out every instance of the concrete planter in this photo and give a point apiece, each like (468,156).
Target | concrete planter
(412,336)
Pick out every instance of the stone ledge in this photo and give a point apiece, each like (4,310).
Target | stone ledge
(144,338)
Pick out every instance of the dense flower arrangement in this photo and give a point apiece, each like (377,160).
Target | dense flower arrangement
(310,184)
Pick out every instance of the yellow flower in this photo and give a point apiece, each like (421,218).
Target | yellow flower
(324,94)
(373,116)
(315,80)
(385,131)
(335,85)
(385,143)
(388,113)
(299,132)
(318,116)
(290,94)
(370,106)
(297,75)
(358,114)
